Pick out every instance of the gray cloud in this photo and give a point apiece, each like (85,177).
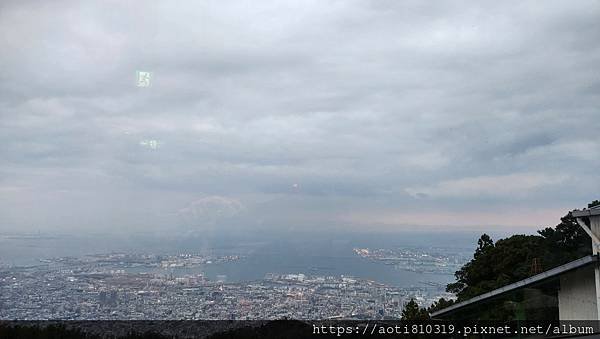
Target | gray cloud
(306,113)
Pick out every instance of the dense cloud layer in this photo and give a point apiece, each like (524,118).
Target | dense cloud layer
(308,114)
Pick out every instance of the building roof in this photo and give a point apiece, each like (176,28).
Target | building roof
(586,212)
(553,273)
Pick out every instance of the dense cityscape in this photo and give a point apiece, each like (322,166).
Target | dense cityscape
(143,286)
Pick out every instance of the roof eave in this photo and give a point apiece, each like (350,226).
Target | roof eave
(585,213)
(522,283)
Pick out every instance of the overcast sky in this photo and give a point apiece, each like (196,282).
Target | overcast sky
(382,115)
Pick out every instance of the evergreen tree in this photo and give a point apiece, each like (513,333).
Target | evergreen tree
(439,305)
(412,312)
(509,260)
(567,240)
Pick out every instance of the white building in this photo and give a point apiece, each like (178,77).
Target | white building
(579,294)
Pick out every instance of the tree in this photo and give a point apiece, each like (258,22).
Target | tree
(439,305)
(509,260)
(496,265)
(484,244)
(567,240)
(412,312)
